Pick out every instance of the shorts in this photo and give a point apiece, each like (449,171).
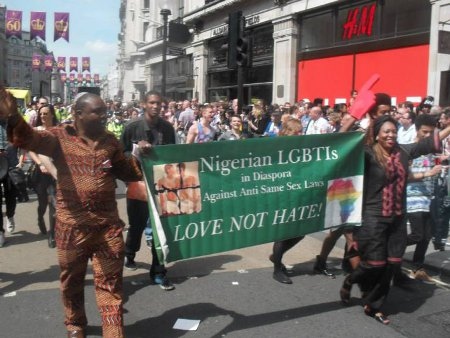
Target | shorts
(382,239)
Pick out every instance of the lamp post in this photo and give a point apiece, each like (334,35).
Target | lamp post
(165,15)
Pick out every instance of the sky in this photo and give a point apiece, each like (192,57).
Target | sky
(94,25)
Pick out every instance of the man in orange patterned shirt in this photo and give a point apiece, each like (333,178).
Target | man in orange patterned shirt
(88,160)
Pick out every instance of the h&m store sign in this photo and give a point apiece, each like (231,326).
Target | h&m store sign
(359,22)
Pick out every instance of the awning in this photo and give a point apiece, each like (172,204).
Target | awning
(23,94)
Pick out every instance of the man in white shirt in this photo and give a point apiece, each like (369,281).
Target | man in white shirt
(407,131)
(187,114)
(317,124)
(185,120)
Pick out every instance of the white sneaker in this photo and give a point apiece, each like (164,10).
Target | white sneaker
(10,224)
(2,239)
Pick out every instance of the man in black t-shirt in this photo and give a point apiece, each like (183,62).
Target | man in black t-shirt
(145,132)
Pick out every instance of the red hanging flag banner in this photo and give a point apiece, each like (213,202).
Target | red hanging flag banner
(63,77)
(96,78)
(13,24)
(61,26)
(88,77)
(73,64)
(36,62)
(72,77)
(80,77)
(37,25)
(61,63)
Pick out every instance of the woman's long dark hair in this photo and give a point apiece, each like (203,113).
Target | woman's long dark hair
(376,126)
(52,111)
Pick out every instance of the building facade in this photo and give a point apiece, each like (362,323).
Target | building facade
(2,46)
(16,64)
(19,73)
(298,49)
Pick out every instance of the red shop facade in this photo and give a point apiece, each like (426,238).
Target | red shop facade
(341,46)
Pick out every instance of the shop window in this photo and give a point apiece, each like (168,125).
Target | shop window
(217,54)
(218,79)
(15,74)
(260,74)
(262,42)
(403,17)
(444,97)
(215,95)
(317,31)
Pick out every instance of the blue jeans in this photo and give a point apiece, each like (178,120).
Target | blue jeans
(441,217)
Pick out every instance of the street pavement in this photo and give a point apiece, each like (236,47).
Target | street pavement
(232,294)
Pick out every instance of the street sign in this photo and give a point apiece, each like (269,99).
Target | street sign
(175,51)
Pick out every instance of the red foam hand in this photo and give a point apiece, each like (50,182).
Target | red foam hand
(365,99)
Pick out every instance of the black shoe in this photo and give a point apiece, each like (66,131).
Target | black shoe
(281,277)
(320,267)
(42,227)
(51,240)
(283,267)
(130,264)
(163,282)
(439,246)
(402,279)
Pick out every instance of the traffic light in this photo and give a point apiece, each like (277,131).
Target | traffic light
(242,57)
(234,27)
(238,47)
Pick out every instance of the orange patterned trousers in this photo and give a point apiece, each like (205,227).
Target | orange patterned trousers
(105,247)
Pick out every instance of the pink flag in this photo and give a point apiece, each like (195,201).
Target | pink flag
(88,77)
(61,64)
(63,77)
(85,63)
(48,63)
(72,77)
(73,64)
(13,23)
(61,26)
(37,25)
(96,78)
(36,62)
(80,77)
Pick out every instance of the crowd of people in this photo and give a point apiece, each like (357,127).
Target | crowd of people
(406,169)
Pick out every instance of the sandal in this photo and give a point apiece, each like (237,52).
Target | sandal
(381,317)
(368,311)
(345,291)
(377,315)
